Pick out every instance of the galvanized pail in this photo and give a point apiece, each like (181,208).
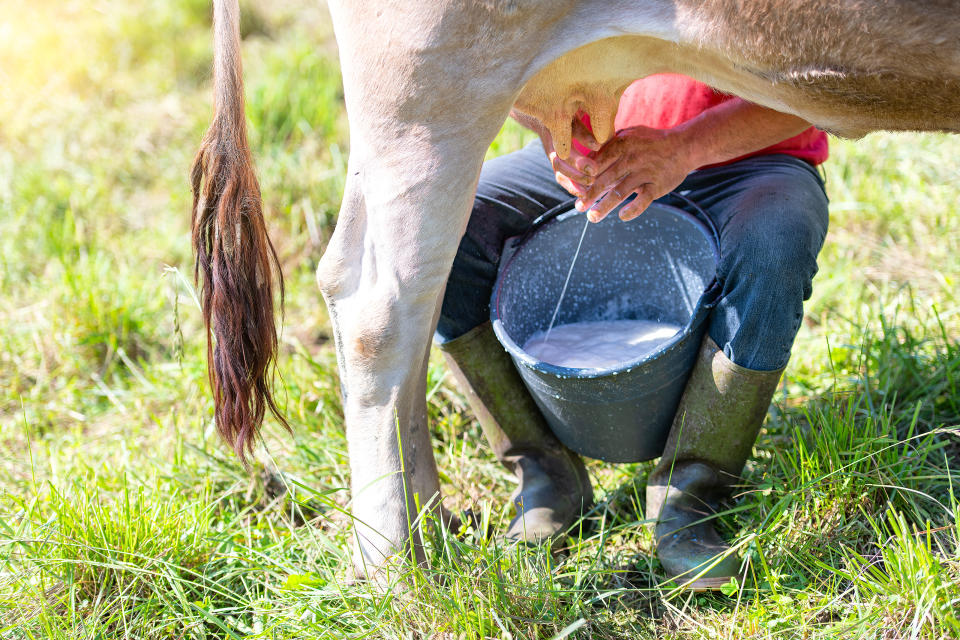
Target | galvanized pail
(660,266)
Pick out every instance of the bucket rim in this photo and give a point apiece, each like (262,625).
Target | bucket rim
(704,304)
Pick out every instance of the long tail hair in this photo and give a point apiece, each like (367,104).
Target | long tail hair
(235,260)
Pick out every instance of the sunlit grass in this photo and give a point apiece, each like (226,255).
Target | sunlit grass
(121,515)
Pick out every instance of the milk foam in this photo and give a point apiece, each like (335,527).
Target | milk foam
(600,344)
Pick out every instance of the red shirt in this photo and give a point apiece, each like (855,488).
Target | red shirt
(665,100)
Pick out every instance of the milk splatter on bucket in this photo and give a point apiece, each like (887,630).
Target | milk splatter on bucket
(600,344)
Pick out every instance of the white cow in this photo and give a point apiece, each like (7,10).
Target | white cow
(428,85)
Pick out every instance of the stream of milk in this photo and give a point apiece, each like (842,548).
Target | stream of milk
(600,344)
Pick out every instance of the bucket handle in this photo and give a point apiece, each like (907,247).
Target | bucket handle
(713,291)
(699,213)
(542,219)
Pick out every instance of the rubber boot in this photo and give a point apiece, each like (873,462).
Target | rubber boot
(554,488)
(716,424)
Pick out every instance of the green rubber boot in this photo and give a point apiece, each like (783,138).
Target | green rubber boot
(716,424)
(554,487)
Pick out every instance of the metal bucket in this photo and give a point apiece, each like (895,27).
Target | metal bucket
(660,266)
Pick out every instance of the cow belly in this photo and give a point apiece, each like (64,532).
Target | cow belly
(854,103)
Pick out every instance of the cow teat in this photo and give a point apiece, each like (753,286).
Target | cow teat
(602,119)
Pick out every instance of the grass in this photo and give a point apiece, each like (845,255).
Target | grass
(122,516)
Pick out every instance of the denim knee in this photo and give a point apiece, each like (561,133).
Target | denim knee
(767,268)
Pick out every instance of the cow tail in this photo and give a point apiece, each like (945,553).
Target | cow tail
(235,260)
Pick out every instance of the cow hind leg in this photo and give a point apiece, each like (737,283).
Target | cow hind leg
(382,276)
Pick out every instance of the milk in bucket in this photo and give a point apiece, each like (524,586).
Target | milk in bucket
(602,344)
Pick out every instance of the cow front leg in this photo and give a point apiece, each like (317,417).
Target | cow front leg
(382,276)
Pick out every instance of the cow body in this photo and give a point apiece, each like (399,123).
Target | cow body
(428,85)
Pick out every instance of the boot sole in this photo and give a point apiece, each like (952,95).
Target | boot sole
(699,585)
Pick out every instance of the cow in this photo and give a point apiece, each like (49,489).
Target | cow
(428,84)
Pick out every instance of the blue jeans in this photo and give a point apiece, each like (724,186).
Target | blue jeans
(771,214)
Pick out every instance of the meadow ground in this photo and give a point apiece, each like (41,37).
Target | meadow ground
(121,515)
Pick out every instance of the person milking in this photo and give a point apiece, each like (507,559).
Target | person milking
(752,170)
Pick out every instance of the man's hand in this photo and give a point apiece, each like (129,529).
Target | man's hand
(647,162)
(653,162)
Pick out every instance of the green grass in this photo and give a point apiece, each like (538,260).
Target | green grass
(122,516)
